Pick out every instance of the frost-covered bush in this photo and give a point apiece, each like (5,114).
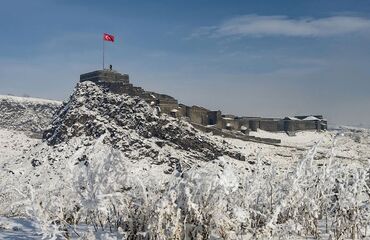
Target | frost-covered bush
(106,199)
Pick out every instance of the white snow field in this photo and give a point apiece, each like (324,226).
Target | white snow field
(110,168)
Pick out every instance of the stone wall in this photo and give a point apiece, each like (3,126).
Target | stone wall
(306,125)
(230,122)
(214,118)
(243,122)
(271,125)
(104,75)
(168,106)
(184,111)
(236,135)
(199,115)
(117,87)
(254,124)
(119,83)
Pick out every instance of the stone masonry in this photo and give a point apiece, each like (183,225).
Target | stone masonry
(199,116)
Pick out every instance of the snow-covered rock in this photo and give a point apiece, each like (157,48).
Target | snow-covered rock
(100,135)
(31,115)
(128,124)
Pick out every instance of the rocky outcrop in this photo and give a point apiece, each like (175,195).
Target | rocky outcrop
(128,123)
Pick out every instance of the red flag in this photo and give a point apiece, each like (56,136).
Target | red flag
(108,37)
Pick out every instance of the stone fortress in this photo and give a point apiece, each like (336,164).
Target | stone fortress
(202,118)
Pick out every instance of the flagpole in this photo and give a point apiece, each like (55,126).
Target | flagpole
(103,52)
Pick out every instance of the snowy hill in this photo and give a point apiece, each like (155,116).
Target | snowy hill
(128,124)
(115,138)
(109,167)
(31,115)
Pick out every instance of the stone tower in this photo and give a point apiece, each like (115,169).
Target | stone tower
(104,76)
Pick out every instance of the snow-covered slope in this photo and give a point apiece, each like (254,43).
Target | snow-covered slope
(115,141)
(95,124)
(129,124)
(31,115)
(110,161)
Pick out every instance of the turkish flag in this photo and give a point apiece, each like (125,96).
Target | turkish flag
(108,37)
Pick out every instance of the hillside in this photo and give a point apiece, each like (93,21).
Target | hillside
(31,115)
(110,167)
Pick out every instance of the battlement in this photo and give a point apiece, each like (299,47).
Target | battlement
(119,83)
(104,76)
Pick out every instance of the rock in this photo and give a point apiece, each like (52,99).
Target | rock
(35,163)
(160,143)
(168,170)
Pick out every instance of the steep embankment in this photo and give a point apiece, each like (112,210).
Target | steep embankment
(31,115)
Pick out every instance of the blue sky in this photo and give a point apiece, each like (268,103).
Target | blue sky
(253,58)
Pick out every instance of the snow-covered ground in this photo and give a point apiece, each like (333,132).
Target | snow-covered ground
(16,169)
(24,100)
(18,229)
(13,144)
(111,162)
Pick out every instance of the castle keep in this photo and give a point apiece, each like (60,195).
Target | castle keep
(202,118)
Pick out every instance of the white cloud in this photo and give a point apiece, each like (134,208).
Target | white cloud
(255,25)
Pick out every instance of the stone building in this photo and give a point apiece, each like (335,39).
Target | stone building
(199,116)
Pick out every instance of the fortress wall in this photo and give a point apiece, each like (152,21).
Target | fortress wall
(305,125)
(214,118)
(161,97)
(119,83)
(199,115)
(281,126)
(323,125)
(184,111)
(290,125)
(138,91)
(278,125)
(117,87)
(104,75)
(230,123)
(243,122)
(167,107)
(254,124)
(270,125)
